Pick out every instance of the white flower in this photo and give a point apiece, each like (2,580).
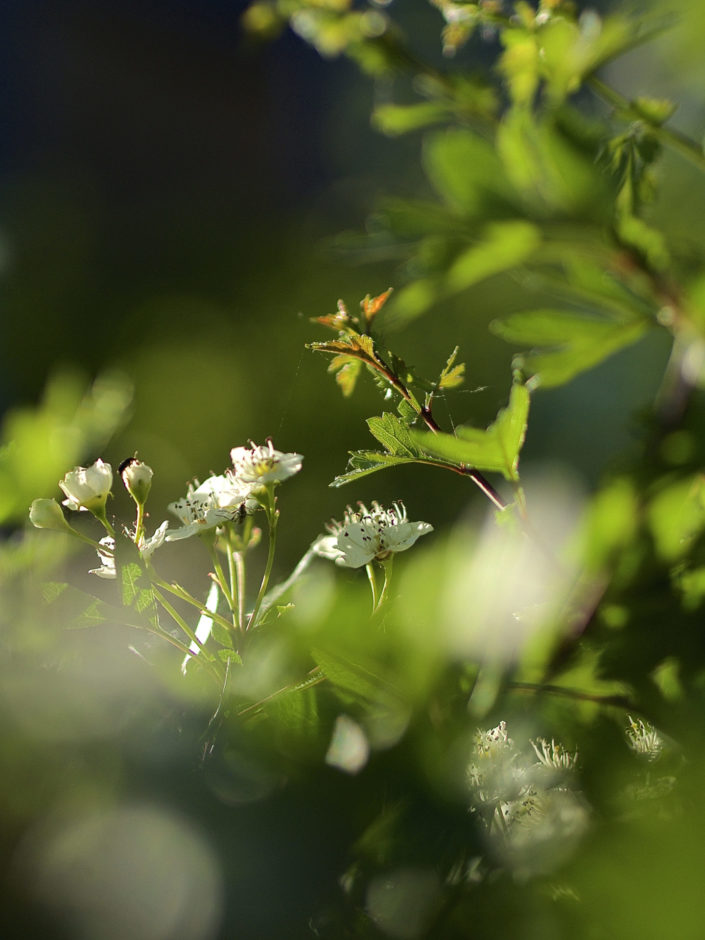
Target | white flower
(227,491)
(150,545)
(365,534)
(217,500)
(108,568)
(643,738)
(260,465)
(554,756)
(87,488)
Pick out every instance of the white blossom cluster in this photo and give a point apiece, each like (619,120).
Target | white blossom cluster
(220,499)
(367,534)
(530,808)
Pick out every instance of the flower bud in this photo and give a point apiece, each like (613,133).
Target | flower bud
(47,514)
(137,477)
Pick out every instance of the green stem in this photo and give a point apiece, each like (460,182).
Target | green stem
(272,521)
(179,620)
(103,519)
(139,523)
(206,659)
(240,581)
(92,542)
(387,565)
(223,582)
(369,568)
(184,595)
(615,701)
(235,592)
(676,140)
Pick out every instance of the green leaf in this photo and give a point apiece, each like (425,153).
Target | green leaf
(406,412)
(395,119)
(499,247)
(466,172)
(364,462)
(646,241)
(135,584)
(401,448)
(569,343)
(452,376)
(347,372)
(569,51)
(655,111)
(73,609)
(393,435)
(503,245)
(546,168)
(356,680)
(519,64)
(495,449)
(227,653)
(222,636)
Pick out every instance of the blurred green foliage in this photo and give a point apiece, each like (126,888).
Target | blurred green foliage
(381,775)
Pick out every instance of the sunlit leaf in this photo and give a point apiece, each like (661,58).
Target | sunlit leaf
(547,169)
(567,343)
(364,462)
(499,247)
(495,449)
(503,245)
(452,375)
(371,306)
(466,172)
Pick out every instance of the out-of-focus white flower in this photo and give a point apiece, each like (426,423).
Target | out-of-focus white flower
(217,500)
(365,534)
(554,756)
(108,568)
(644,739)
(137,477)
(87,488)
(260,465)
(541,815)
(47,514)
(495,772)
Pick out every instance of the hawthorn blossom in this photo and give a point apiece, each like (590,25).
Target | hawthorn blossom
(87,488)
(260,465)
(217,500)
(106,556)
(554,756)
(644,739)
(367,534)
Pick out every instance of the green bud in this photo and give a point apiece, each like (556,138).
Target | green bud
(137,477)
(47,514)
